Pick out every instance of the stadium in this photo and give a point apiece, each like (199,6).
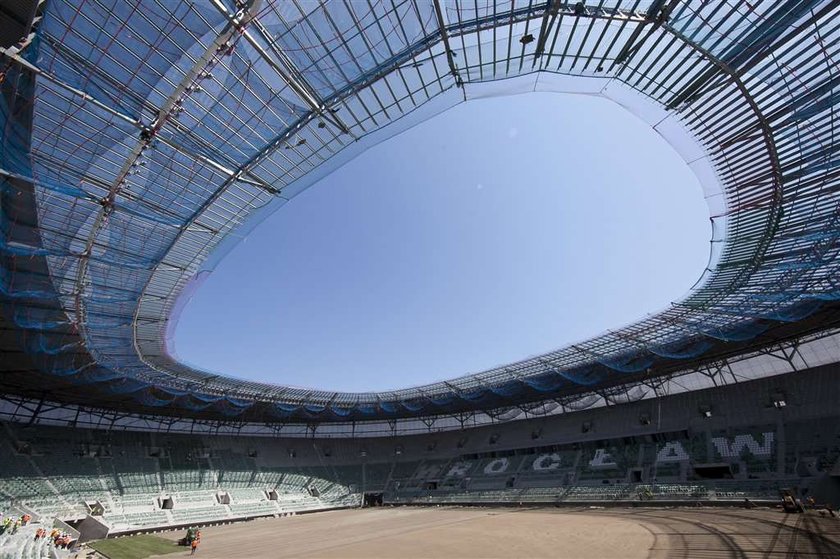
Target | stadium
(143,138)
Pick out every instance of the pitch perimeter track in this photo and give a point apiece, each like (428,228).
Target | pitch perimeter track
(587,533)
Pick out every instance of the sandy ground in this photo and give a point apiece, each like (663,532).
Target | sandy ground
(439,532)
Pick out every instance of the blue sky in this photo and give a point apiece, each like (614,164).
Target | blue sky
(504,228)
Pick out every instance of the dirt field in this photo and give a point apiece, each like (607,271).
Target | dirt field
(409,532)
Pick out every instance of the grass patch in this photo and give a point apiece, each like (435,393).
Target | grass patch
(136,547)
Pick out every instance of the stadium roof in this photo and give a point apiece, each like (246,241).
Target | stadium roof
(141,138)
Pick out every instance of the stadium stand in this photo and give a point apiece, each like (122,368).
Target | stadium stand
(135,481)
(33,539)
(144,487)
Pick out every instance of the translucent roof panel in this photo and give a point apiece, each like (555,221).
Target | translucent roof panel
(139,138)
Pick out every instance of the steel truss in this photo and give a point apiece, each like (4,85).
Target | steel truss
(820,349)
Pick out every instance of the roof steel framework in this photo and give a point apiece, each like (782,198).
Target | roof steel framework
(793,356)
(140,137)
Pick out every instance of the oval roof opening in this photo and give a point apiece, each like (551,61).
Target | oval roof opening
(500,229)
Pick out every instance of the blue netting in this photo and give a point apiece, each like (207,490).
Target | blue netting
(127,386)
(193,404)
(507,390)
(628,364)
(546,383)
(169,391)
(587,376)
(795,312)
(388,407)
(756,39)
(149,397)
(472,395)
(415,405)
(331,64)
(96,374)
(21,286)
(229,408)
(682,350)
(49,343)
(366,409)
(341,412)
(120,51)
(37,319)
(442,400)
(734,333)
(68,368)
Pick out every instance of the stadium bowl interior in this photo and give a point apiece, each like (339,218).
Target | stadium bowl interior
(142,138)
